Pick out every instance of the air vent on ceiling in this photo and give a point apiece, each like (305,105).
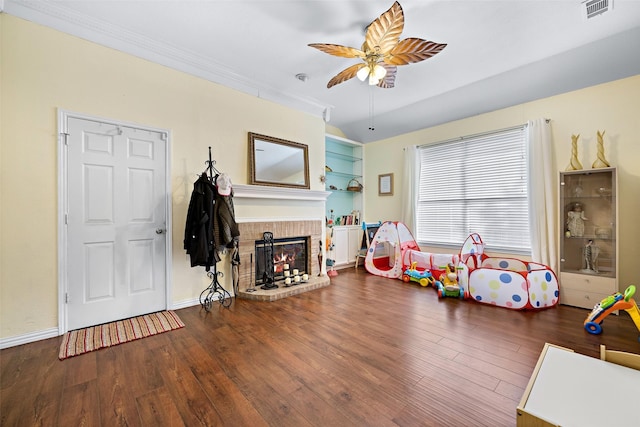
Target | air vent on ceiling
(596,7)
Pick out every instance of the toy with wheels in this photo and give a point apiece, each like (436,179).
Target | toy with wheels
(411,274)
(448,285)
(617,301)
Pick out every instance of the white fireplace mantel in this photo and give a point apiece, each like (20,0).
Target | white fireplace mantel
(264,192)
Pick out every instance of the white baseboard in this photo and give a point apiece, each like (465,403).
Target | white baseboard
(28,338)
(185,303)
(53,332)
(191,302)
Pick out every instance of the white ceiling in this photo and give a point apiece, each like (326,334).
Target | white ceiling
(499,53)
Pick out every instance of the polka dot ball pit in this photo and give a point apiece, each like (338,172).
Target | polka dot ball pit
(507,282)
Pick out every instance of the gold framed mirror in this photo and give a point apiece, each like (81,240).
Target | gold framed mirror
(278,162)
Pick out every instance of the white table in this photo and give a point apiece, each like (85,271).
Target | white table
(570,389)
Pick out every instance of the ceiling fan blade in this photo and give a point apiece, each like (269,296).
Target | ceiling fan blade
(412,50)
(338,50)
(384,32)
(389,79)
(344,75)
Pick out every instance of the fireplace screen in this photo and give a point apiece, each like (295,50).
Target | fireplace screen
(288,252)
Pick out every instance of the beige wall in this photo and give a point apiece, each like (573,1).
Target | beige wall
(613,107)
(44,70)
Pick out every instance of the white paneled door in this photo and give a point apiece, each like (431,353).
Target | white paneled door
(115,223)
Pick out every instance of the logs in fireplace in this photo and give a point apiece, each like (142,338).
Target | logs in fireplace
(279,259)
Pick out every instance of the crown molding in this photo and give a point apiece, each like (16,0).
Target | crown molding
(54,15)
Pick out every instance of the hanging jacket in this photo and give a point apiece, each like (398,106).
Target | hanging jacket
(198,233)
(225,228)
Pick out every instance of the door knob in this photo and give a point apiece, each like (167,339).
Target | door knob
(160,230)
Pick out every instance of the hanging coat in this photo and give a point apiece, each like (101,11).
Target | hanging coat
(225,228)
(198,233)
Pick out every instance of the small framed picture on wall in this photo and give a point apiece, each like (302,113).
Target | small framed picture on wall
(385,184)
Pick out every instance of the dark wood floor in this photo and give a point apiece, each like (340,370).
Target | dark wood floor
(365,351)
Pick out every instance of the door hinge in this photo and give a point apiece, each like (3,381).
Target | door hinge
(66,138)
(66,298)
(164,136)
(66,219)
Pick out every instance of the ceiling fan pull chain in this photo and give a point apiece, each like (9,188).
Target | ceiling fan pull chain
(371,110)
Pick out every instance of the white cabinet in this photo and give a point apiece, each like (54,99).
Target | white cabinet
(355,238)
(346,243)
(340,245)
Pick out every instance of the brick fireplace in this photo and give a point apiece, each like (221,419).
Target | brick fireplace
(250,232)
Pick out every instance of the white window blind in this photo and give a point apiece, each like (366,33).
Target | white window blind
(476,184)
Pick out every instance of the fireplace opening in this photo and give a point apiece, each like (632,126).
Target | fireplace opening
(287,252)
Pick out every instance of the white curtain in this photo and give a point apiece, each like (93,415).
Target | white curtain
(408,191)
(541,169)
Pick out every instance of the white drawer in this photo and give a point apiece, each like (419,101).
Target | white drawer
(580,298)
(588,283)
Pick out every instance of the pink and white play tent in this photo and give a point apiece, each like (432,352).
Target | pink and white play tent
(384,257)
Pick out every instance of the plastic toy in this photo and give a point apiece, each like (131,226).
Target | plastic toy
(448,285)
(429,261)
(617,301)
(330,250)
(411,274)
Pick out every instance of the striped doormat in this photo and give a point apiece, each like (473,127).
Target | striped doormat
(95,337)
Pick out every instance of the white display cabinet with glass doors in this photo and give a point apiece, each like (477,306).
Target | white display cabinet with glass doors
(589,236)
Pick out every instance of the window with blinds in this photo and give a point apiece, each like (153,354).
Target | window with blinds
(475,184)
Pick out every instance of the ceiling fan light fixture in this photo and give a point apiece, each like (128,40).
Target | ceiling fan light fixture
(375,73)
(379,72)
(363,73)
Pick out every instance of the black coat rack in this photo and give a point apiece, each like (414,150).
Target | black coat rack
(211,167)
(215,288)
